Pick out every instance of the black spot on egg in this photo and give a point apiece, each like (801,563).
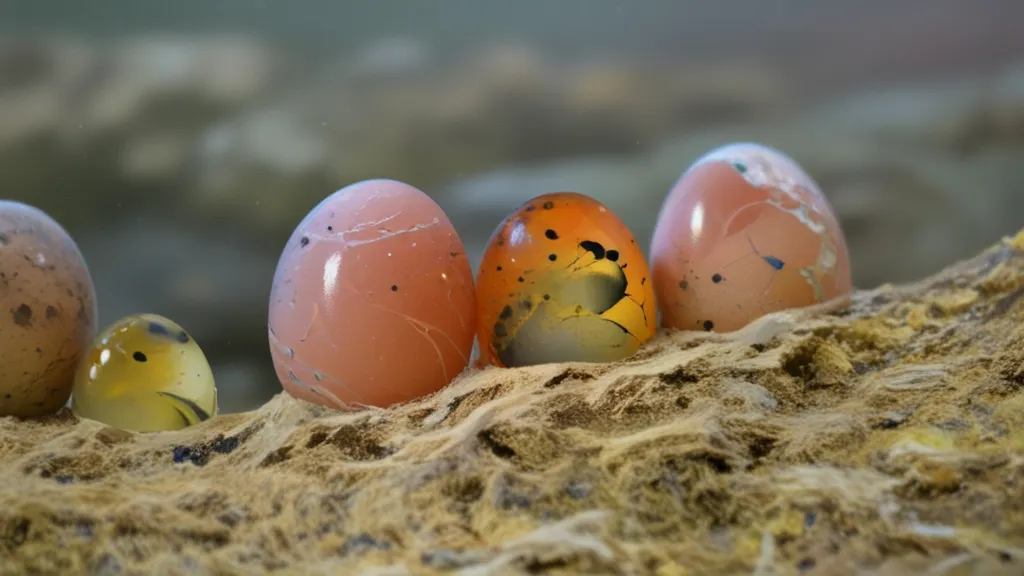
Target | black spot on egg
(499,268)
(139,357)
(22,315)
(394,288)
(499,330)
(521,279)
(552,257)
(551,234)
(594,248)
(683,284)
(549,205)
(612,255)
(162,331)
(531,208)
(716,278)
(304,242)
(51,312)
(506,313)
(709,325)
(158,329)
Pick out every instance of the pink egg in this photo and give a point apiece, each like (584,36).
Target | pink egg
(745,232)
(373,301)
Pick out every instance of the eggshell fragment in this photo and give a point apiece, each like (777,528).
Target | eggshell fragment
(372,302)
(745,232)
(47,311)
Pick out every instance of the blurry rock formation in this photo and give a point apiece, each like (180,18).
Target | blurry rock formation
(181,164)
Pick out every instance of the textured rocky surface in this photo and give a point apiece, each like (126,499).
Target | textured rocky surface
(880,436)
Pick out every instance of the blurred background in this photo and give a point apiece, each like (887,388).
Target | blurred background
(180,142)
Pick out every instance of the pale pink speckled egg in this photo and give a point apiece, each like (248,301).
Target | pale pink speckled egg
(743,233)
(372,302)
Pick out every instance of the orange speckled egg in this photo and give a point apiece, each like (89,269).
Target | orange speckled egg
(372,302)
(562,280)
(745,232)
(48,307)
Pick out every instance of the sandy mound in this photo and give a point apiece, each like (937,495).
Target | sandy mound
(887,439)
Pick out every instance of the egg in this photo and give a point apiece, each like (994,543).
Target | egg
(372,303)
(48,307)
(145,373)
(745,232)
(562,279)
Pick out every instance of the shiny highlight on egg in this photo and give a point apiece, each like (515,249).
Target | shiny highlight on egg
(372,302)
(743,233)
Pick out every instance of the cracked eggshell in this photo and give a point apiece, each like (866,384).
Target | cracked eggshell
(745,232)
(48,308)
(372,303)
(562,280)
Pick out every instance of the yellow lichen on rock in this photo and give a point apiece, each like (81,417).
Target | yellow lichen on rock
(884,435)
(1016,241)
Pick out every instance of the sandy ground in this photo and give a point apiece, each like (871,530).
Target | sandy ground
(883,437)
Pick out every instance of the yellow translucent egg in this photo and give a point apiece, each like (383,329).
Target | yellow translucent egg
(145,373)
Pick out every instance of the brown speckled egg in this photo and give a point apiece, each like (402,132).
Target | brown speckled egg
(372,302)
(47,311)
(745,232)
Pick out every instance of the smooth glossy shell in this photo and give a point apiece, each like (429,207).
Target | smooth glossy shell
(562,279)
(744,232)
(372,302)
(145,373)
(47,311)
